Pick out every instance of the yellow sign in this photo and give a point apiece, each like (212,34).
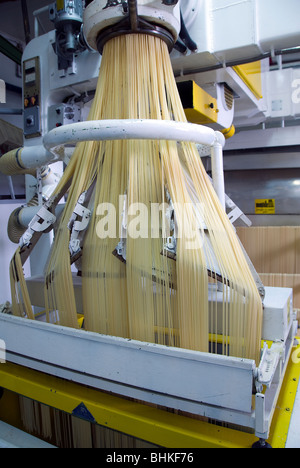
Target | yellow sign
(265,206)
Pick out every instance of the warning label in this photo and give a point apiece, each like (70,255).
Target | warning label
(265,206)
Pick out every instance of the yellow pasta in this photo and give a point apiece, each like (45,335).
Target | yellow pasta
(149,296)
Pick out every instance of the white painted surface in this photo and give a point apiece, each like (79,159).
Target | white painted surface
(11,437)
(7,250)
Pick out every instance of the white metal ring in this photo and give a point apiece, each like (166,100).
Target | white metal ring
(138,129)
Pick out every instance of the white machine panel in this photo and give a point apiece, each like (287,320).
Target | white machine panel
(122,365)
(278,313)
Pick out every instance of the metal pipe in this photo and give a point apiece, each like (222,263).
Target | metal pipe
(11,187)
(37,21)
(21,217)
(218,171)
(133,14)
(27,213)
(35,156)
(135,129)
(25,160)
(26,22)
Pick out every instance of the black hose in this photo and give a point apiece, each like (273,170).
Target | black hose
(180,47)
(185,37)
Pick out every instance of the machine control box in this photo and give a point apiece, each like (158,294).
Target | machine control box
(278,313)
(63,114)
(32,97)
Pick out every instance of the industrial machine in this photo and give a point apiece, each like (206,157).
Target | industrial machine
(216,83)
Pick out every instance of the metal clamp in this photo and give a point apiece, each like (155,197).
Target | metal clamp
(120,250)
(269,362)
(78,223)
(41,222)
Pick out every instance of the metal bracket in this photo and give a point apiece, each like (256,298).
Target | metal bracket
(234,214)
(78,223)
(41,222)
(171,247)
(258,282)
(120,250)
(268,364)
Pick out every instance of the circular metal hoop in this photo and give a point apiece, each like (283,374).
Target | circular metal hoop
(124,28)
(138,129)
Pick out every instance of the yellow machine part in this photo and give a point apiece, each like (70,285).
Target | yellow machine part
(229,132)
(250,73)
(80,320)
(199,106)
(59,5)
(145,422)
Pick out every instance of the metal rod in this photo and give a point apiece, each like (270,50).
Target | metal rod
(11,187)
(218,171)
(133,14)
(26,22)
(37,21)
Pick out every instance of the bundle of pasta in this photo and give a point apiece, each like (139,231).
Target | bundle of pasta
(149,296)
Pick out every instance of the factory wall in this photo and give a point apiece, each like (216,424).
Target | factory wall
(281,186)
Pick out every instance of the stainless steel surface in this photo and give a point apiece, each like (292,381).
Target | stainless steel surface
(283,185)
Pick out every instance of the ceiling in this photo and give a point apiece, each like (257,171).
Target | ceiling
(11,18)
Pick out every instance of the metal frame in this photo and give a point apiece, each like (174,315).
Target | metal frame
(181,379)
(138,420)
(148,423)
(8,49)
